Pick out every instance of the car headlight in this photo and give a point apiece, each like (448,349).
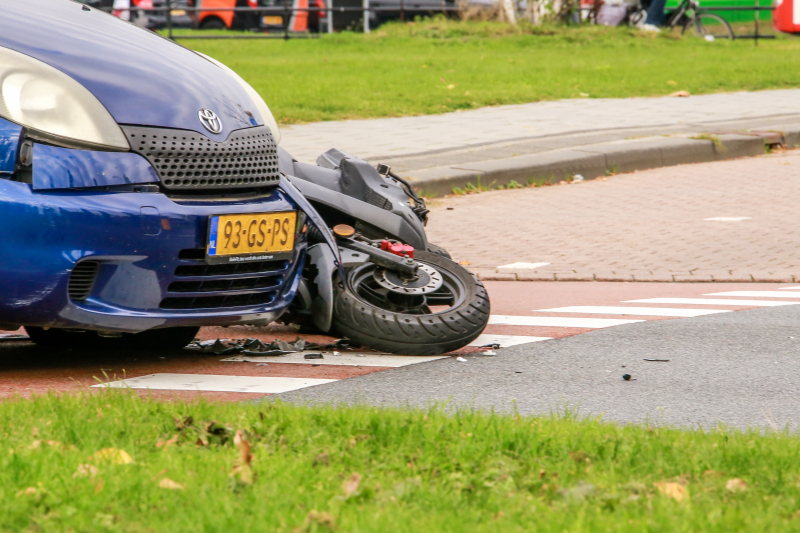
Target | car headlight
(261,105)
(53,105)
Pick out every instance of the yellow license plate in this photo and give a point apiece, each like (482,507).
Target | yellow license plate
(272,21)
(177,12)
(261,234)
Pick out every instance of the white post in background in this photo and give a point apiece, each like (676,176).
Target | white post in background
(330,16)
(510,12)
(366,16)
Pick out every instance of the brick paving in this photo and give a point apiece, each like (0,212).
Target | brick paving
(643,226)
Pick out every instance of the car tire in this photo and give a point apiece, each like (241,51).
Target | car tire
(154,339)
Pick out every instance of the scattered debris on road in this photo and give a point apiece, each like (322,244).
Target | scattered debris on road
(461,360)
(257,347)
(657,360)
(627,377)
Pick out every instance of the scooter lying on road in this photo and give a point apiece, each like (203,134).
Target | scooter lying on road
(387,287)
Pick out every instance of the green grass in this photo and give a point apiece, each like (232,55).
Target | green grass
(437,66)
(366,469)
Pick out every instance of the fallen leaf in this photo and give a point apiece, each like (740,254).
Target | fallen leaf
(675,491)
(315,517)
(713,473)
(351,485)
(30,491)
(241,441)
(113,456)
(167,483)
(680,94)
(85,471)
(451,86)
(464,263)
(736,485)
(241,471)
(672,82)
(578,456)
(322,459)
(167,443)
(99,487)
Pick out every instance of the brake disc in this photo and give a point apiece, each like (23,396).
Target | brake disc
(427,280)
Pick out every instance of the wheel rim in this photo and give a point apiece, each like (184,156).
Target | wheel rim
(449,295)
(710,25)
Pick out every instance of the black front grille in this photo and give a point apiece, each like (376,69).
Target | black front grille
(203,286)
(81,280)
(188,161)
(215,302)
(236,284)
(186,271)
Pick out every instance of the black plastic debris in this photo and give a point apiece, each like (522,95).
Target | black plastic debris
(258,347)
(313,356)
(657,360)
(493,346)
(626,377)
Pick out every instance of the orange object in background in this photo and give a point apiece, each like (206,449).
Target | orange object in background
(215,20)
(208,18)
(786,17)
(299,19)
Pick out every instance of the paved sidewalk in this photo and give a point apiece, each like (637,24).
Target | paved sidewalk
(547,140)
(722,221)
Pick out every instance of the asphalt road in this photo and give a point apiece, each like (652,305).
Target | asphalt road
(740,369)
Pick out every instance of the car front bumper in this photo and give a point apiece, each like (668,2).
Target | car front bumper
(149,250)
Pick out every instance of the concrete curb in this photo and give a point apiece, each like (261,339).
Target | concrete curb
(595,160)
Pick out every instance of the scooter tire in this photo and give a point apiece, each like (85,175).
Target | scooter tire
(436,249)
(413,334)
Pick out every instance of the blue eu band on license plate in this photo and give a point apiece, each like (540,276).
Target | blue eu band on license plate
(212,236)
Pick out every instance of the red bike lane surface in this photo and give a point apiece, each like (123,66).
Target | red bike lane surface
(521,312)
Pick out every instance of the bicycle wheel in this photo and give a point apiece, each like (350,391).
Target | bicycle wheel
(709,26)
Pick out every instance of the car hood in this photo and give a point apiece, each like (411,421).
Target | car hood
(140,77)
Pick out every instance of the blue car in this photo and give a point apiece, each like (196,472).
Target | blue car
(140,193)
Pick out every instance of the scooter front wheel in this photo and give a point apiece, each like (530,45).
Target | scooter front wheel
(443,309)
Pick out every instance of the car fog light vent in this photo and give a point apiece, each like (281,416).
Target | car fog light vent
(81,281)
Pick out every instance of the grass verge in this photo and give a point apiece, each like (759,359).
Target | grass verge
(112,462)
(436,66)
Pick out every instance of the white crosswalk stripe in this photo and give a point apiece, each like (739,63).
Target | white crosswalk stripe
(505,341)
(756,294)
(557,321)
(790,288)
(710,301)
(638,311)
(212,383)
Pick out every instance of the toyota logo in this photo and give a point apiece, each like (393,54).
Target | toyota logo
(210,120)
